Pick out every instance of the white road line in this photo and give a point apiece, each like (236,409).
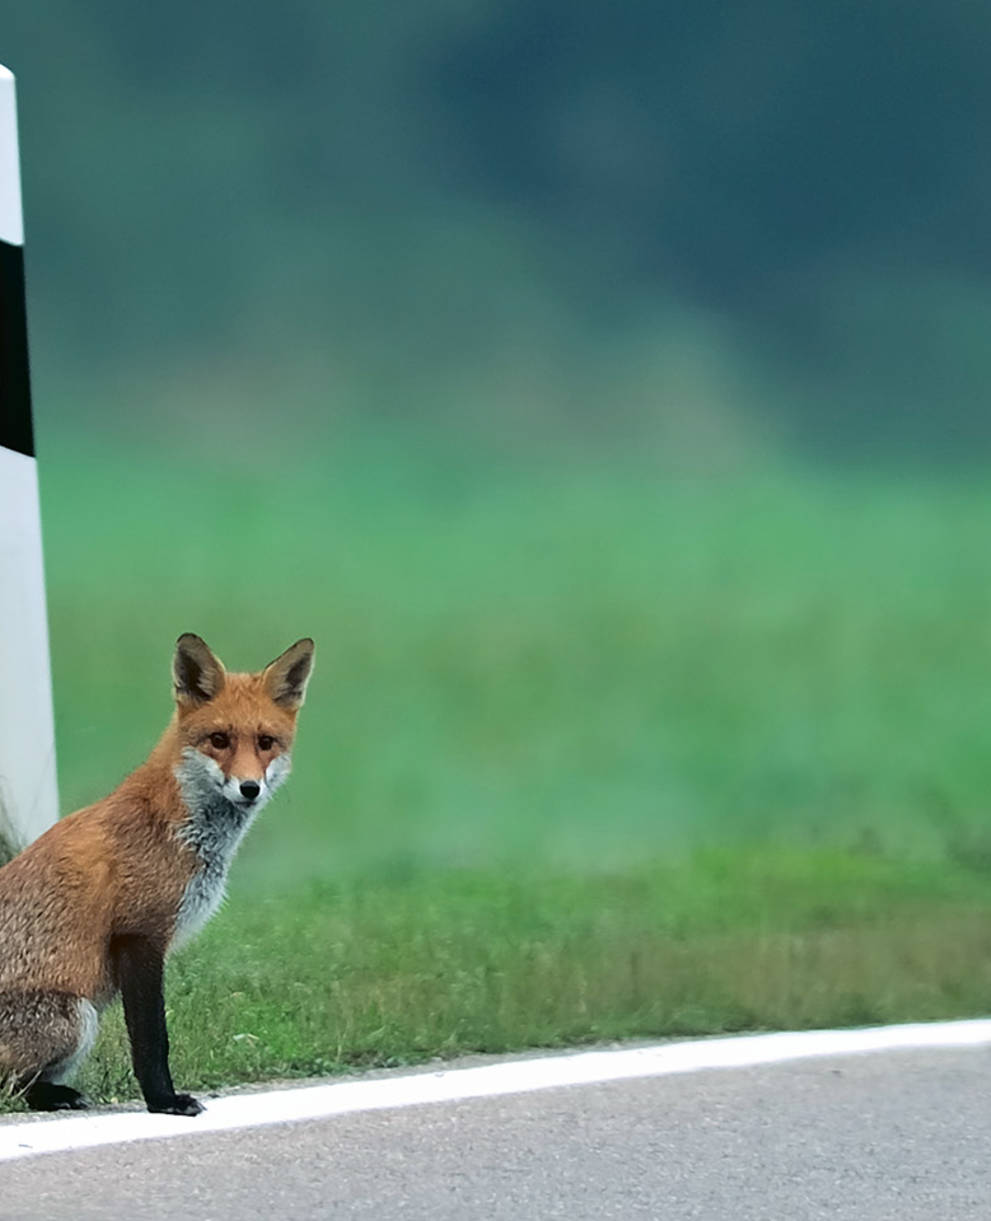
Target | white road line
(60,1135)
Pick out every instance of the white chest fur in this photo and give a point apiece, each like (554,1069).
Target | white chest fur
(204,893)
(214,830)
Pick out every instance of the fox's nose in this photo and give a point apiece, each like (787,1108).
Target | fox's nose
(250,789)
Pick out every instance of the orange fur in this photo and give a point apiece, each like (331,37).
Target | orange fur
(126,866)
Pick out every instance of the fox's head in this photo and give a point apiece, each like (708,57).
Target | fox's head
(236,730)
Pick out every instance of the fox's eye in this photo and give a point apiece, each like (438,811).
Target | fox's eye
(219,741)
(265,741)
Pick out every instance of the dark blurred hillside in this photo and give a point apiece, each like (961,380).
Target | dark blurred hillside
(588,210)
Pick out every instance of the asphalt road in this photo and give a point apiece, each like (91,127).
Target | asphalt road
(902,1135)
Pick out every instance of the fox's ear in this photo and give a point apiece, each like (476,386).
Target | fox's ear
(285,678)
(197,676)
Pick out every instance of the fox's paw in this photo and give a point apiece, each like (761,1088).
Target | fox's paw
(176,1104)
(44,1096)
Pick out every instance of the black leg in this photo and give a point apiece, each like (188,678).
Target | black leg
(45,1096)
(139,971)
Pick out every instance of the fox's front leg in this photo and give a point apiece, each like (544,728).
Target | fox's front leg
(140,964)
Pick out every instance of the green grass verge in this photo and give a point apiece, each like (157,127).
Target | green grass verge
(338,977)
(590,753)
(345,976)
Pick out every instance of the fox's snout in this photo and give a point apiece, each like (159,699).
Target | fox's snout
(244,792)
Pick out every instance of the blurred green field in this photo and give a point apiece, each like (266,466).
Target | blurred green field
(593,749)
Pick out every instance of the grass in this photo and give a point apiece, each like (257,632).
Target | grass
(591,751)
(388,974)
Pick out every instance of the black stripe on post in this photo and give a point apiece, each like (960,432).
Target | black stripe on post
(16,431)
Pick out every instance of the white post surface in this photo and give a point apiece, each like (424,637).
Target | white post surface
(28,794)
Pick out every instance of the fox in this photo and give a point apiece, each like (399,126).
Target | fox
(91,908)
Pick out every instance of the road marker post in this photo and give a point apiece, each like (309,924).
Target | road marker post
(28,792)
